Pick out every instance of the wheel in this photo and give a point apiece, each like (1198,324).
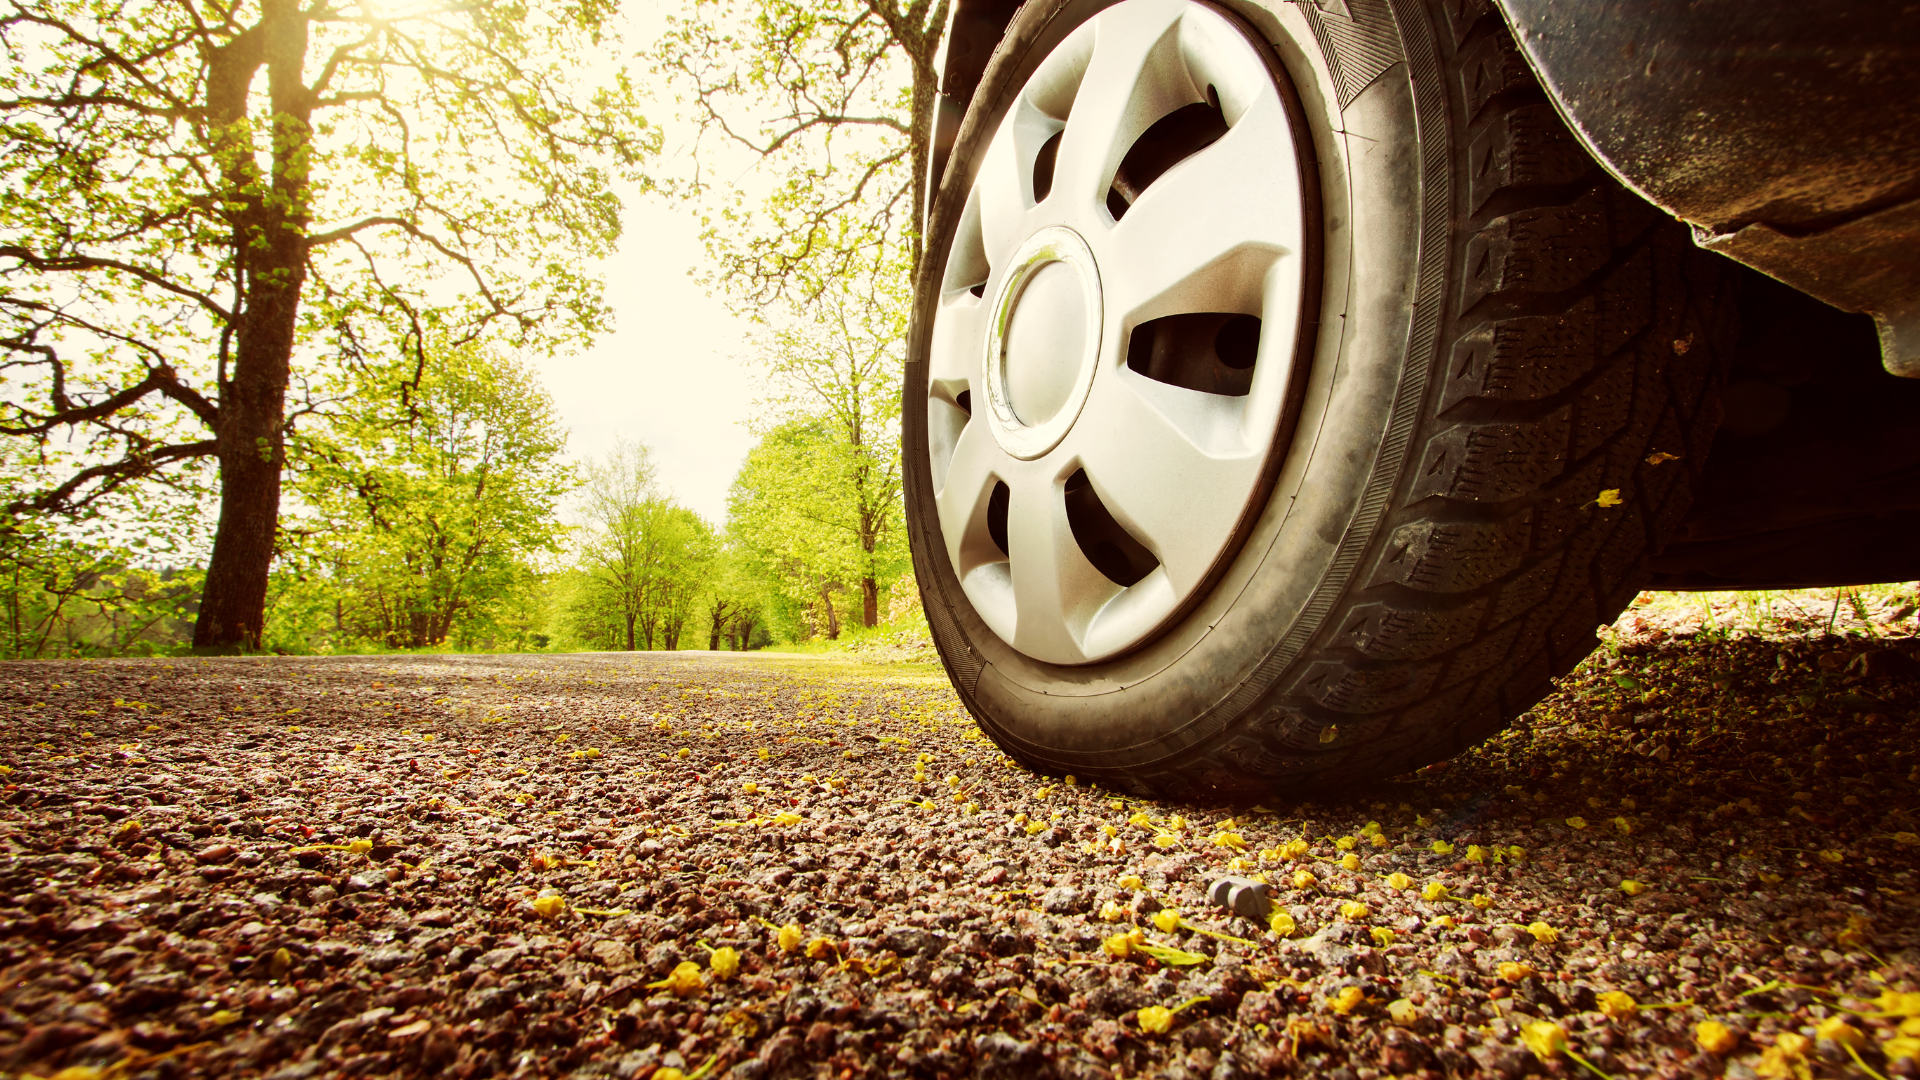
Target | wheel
(1289,396)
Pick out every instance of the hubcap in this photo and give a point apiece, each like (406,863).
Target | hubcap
(1115,337)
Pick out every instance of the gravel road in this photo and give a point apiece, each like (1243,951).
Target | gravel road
(1697,859)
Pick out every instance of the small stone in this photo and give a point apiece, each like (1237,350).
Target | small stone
(216,854)
(1062,900)
(386,959)
(617,955)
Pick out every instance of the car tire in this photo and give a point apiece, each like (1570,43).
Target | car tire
(1363,531)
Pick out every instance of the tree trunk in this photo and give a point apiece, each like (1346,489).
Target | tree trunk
(833,619)
(869,602)
(234,607)
(629,631)
(270,238)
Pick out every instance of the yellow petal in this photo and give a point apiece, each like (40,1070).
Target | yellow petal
(1904,1046)
(1840,1031)
(1350,862)
(686,980)
(1398,880)
(1167,920)
(1609,497)
(1632,887)
(1617,1005)
(1895,1003)
(1715,1037)
(549,907)
(1542,933)
(724,961)
(790,936)
(1281,923)
(1545,1038)
(1348,999)
(1155,1019)
(1513,971)
(1402,1011)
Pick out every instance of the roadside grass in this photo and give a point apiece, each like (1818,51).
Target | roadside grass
(1864,611)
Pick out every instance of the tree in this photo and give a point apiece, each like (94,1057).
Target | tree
(840,366)
(643,557)
(431,504)
(193,195)
(795,512)
(838,96)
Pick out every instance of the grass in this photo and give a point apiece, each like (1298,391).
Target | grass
(1865,611)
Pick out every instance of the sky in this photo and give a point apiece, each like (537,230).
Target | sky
(676,372)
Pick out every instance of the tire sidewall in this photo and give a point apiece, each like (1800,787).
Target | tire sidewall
(1383,170)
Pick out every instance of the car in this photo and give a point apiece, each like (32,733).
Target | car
(1294,387)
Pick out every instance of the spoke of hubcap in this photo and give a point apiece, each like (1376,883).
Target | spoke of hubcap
(959,334)
(1001,190)
(1239,193)
(1057,590)
(1177,485)
(969,479)
(1133,79)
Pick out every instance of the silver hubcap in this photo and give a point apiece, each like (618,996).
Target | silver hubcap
(1115,331)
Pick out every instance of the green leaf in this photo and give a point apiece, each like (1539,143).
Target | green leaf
(1172,956)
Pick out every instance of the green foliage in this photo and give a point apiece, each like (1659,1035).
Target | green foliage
(427,510)
(645,563)
(818,503)
(94,584)
(795,512)
(193,198)
(835,98)
(62,597)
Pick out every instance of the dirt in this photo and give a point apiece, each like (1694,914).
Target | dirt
(474,866)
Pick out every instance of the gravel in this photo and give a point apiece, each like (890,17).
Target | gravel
(475,866)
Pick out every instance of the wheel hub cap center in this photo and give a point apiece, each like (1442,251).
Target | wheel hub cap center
(1043,341)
